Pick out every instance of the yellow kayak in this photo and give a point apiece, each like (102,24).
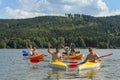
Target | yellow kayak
(89,66)
(58,65)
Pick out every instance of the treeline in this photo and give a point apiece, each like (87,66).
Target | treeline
(82,30)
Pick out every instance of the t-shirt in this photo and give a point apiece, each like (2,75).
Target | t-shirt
(29,51)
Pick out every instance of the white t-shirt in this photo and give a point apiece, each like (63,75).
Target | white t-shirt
(29,51)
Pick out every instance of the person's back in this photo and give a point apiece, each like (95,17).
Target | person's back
(29,49)
(72,50)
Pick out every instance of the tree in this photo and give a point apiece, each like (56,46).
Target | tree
(12,44)
(102,45)
(80,42)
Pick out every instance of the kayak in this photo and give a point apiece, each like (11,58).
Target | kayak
(39,56)
(77,56)
(89,66)
(58,65)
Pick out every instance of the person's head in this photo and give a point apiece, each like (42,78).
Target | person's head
(90,50)
(57,49)
(66,47)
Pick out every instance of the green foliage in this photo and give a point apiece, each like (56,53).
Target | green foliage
(3,44)
(82,30)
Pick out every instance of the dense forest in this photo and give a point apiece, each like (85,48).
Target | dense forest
(82,30)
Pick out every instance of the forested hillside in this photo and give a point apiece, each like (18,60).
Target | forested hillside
(82,30)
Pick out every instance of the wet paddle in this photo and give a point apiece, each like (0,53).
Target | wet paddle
(105,55)
(72,64)
(24,53)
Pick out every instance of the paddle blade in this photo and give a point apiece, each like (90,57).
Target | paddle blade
(72,64)
(24,53)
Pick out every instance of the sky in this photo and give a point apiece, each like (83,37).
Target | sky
(20,9)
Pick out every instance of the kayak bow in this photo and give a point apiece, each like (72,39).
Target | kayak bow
(58,65)
(89,65)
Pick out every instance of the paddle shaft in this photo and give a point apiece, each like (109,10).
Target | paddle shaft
(105,55)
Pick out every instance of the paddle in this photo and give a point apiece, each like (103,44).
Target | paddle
(24,53)
(75,64)
(105,55)
(72,64)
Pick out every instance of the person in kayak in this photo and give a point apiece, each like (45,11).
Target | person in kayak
(91,57)
(72,49)
(56,56)
(67,50)
(29,49)
(35,52)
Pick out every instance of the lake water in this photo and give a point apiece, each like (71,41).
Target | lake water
(14,67)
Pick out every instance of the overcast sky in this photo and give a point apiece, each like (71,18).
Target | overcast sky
(14,9)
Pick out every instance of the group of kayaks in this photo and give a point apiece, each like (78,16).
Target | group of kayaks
(63,65)
(80,67)
(84,66)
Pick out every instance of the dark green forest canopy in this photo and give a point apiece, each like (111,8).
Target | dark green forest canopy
(82,30)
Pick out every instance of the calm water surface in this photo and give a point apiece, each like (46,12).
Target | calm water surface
(14,67)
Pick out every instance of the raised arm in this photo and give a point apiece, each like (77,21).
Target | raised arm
(49,45)
(63,47)
(26,46)
(71,45)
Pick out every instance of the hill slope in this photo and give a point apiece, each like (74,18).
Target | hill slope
(83,30)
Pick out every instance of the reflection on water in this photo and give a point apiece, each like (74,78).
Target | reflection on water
(71,74)
(90,74)
(54,75)
(35,67)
